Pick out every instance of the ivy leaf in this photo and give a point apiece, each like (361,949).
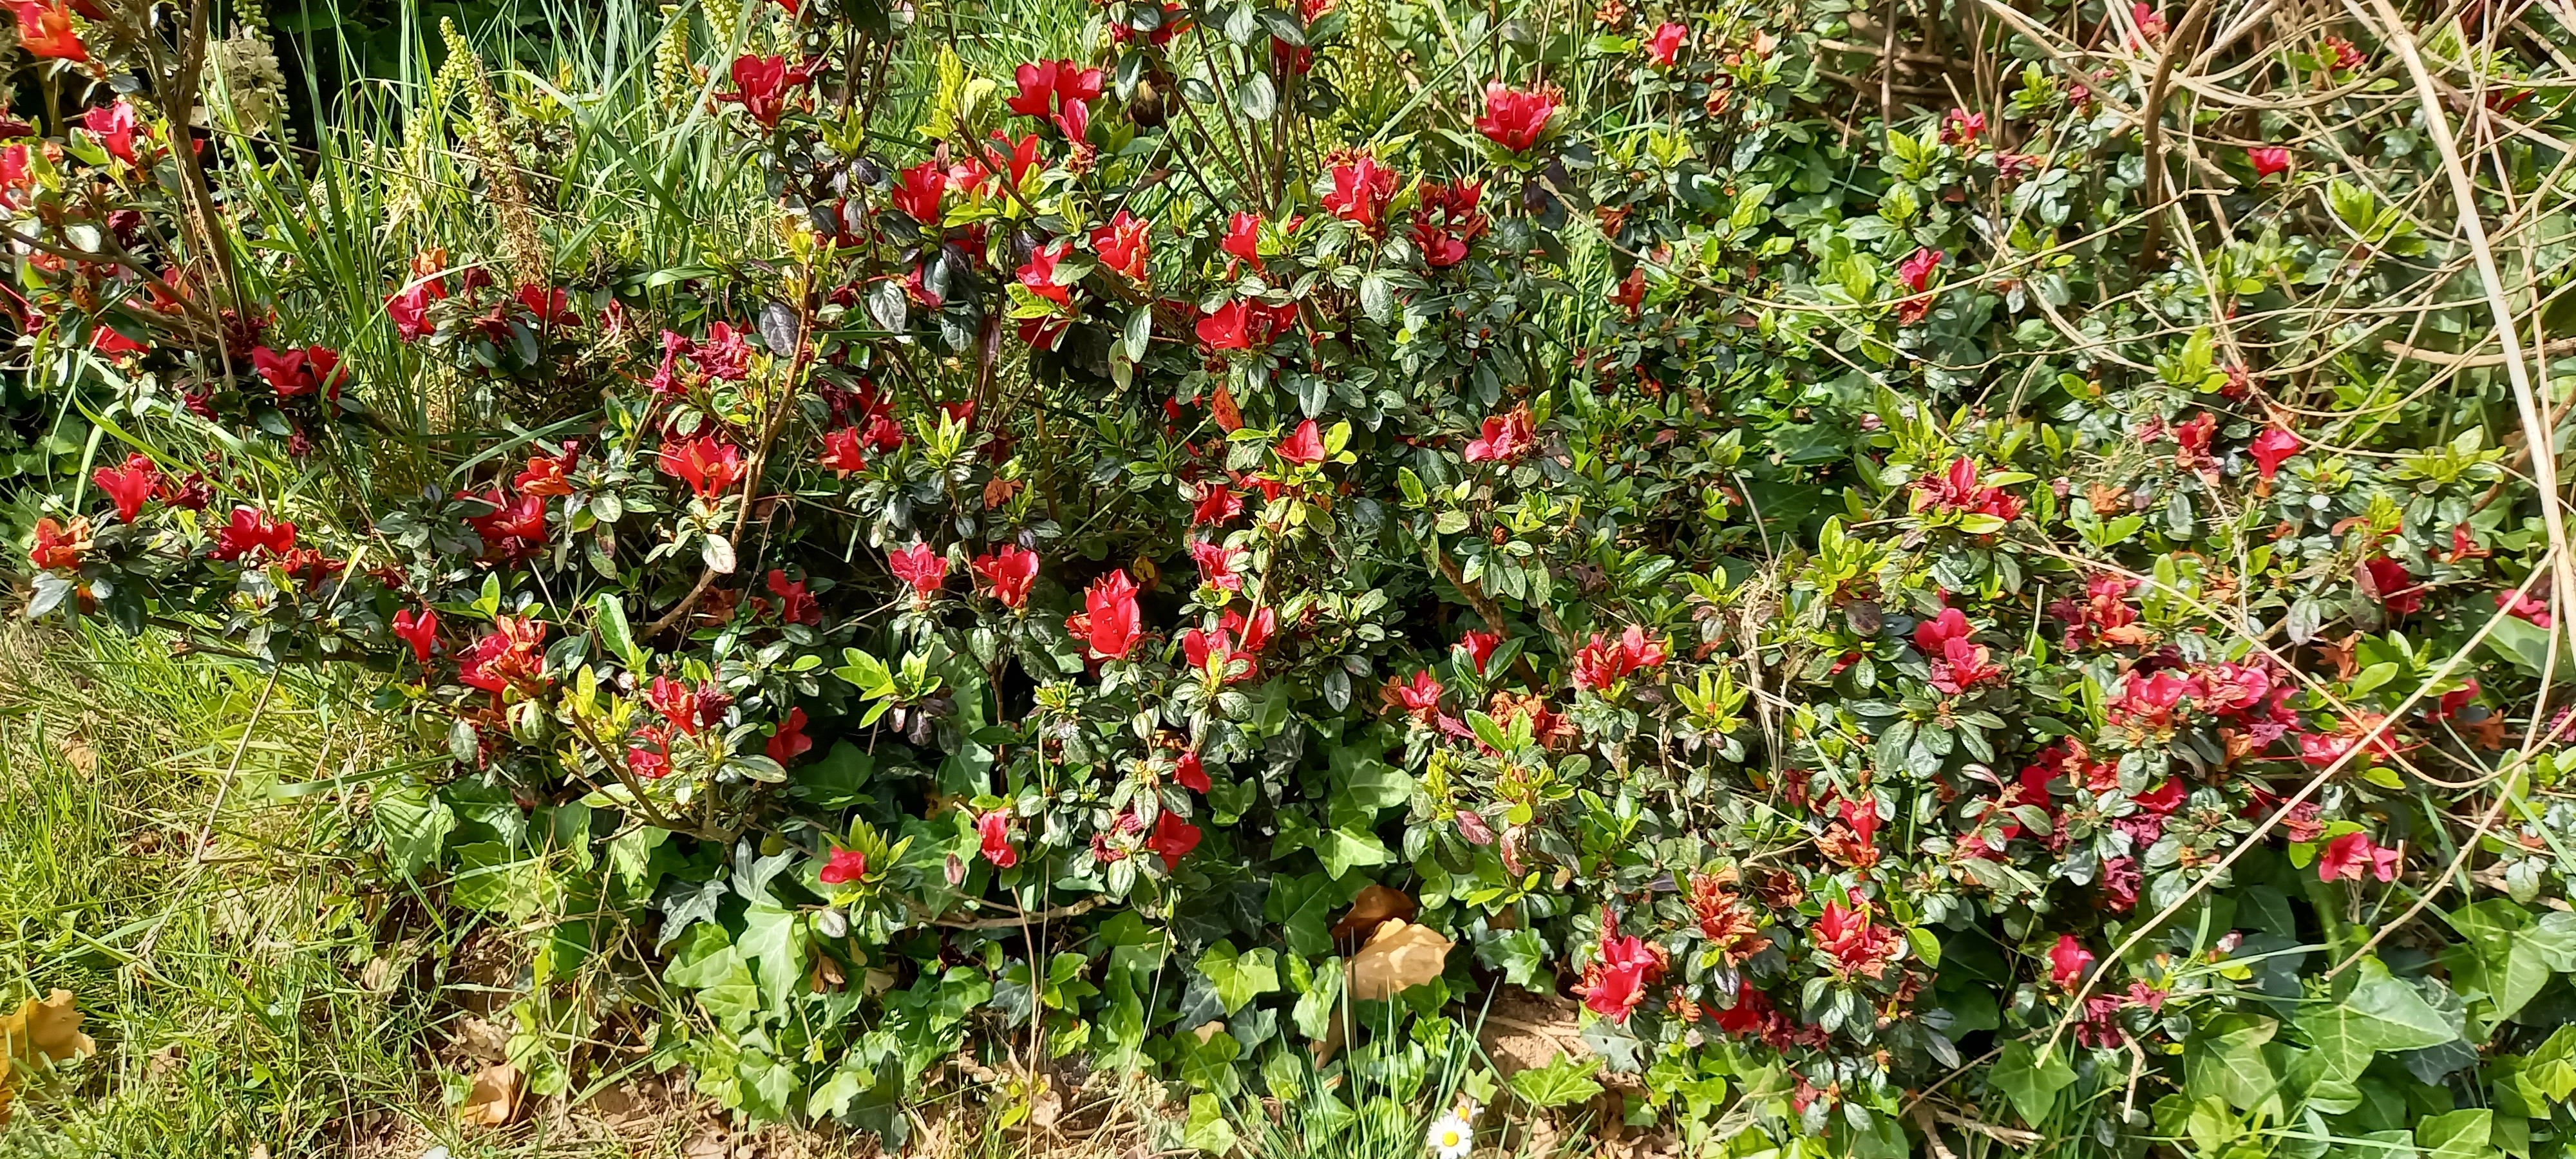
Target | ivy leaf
(1520,954)
(2381,1013)
(1563,1082)
(2228,1059)
(1208,1129)
(2457,1135)
(414,824)
(2030,1082)
(1239,978)
(775,939)
(1343,850)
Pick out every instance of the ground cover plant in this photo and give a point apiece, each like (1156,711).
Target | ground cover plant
(1956,577)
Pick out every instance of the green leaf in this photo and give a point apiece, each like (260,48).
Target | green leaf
(2030,1082)
(775,939)
(2381,1013)
(1563,1082)
(2228,1059)
(1239,978)
(609,613)
(1208,1129)
(414,824)
(2457,1135)
(1343,850)
(1520,954)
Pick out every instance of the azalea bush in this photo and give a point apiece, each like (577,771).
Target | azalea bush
(1940,606)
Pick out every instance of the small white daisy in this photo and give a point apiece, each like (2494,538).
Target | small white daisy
(1451,1137)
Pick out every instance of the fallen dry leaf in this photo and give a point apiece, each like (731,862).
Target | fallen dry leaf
(1399,957)
(1373,907)
(50,1028)
(494,1102)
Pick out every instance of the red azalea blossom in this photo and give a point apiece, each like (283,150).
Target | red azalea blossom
(1203,648)
(129,485)
(1303,446)
(1665,45)
(1008,572)
(59,546)
(249,532)
(845,866)
(1122,245)
(1962,127)
(1243,238)
(295,373)
(2394,586)
(795,604)
(2347,857)
(1846,935)
(1111,619)
(1516,118)
(920,566)
(508,656)
(114,127)
(1506,438)
(1358,190)
(725,354)
(841,452)
(1917,270)
(995,829)
(707,464)
(790,742)
(1243,324)
(1059,91)
(418,629)
(2150,22)
(1173,838)
(1445,219)
(1218,565)
(1192,775)
(1958,489)
(1613,986)
(1039,274)
(1218,504)
(1419,697)
(2346,57)
(545,475)
(2527,607)
(1251,631)
(761,84)
(550,306)
(2192,436)
(2268,160)
(685,706)
(1479,646)
(917,192)
(2068,961)
(45,31)
(515,528)
(2271,448)
(1605,662)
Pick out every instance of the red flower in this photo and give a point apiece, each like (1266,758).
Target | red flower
(1202,647)
(1109,606)
(1917,270)
(707,464)
(1446,219)
(790,742)
(2271,448)
(2269,160)
(129,485)
(920,566)
(1858,948)
(917,192)
(515,527)
(2346,57)
(1516,118)
(1420,697)
(1015,157)
(1604,662)
(795,604)
(995,828)
(724,354)
(2067,961)
(1630,293)
(59,546)
(507,657)
(1666,43)
(113,125)
(1304,446)
(1173,838)
(1122,246)
(1243,238)
(1039,274)
(846,866)
(1192,775)
(1962,666)
(544,474)
(1479,646)
(1008,573)
(2394,586)
(654,763)
(1218,504)
(1058,90)
(2345,859)
(2516,603)
(548,305)
(1360,189)
(1218,564)
(45,31)
(2151,23)
(1958,489)
(295,373)
(1963,127)
(1245,325)
(841,452)
(761,83)
(418,629)
(1614,986)
(252,531)
(684,706)
(1507,437)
